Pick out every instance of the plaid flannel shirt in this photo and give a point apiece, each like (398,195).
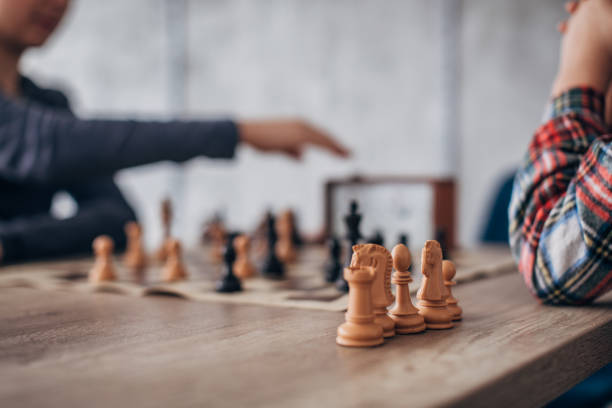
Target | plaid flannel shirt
(561,207)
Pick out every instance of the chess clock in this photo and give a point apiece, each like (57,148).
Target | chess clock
(422,207)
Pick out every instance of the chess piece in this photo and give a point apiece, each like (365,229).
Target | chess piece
(443,241)
(272,267)
(448,272)
(377,238)
(243,267)
(432,305)
(360,330)
(229,283)
(103,269)
(215,235)
(379,258)
(406,316)
(403,239)
(352,221)
(166,216)
(285,250)
(333,268)
(135,257)
(296,237)
(174,269)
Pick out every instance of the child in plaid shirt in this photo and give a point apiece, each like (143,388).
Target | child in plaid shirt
(561,208)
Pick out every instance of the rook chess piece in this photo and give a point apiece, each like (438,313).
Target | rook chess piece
(379,258)
(272,267)
(352,221)
(448,272)
(103,269)
(333,268)
(432,305)
(135,257)
(174,269)
(243,267)
(359,330)
(166,216)
(406,316)
(229,282)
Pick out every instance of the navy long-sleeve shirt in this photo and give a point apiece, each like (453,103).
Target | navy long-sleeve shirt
(44,149)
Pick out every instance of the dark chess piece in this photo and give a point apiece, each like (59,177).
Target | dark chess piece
(296,237)
(443,241)
(272,267)
(352,221)
(333,268)
(229,282)
(404,240)
(377,238)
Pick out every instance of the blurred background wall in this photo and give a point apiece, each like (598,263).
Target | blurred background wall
(444,87)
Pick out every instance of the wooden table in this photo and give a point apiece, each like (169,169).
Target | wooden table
(63,349)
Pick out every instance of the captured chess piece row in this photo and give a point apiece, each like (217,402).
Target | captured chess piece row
(368,319)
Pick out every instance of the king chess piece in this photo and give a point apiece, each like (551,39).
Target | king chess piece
(333,268)
(448,273)
(380,259)
(406,317)
(103,269)
(229,282)
(432,305)
(359,329)
(272,267)
(352,221)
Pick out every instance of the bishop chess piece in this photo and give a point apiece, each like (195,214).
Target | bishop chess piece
(333,268)
(285,249)
(174,269)
(166,216)
(243,267)
(352,221)
(272,267)
(432,305)
(135,257)
(229,282)
(380,259)
(448,273)
(406,317)
(103,269)
(360,330)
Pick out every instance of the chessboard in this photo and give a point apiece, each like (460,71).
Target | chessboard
(303,286)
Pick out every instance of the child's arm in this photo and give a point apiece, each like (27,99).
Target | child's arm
(561,209)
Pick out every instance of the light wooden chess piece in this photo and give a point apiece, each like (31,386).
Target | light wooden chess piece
(406,316)
(135,257)
(448,272)
(166,215)
(432,305)
(285,249)
(174,269)
(103,269)
(243,267)
(382,262)
(359,330)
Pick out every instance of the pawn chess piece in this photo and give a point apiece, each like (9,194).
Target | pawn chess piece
(377,238)
(229,282)
(448,272)
(333,268)
(285,251)
(272,267)
(403,239)
(243,267)
(379,258)
(432,305)
(103,269)
(166,216)
(135,257)
(359,330)
(352,221)
(174,269)
(406,317)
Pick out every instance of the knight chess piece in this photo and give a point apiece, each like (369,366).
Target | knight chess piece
(333,268)
(352,221)
(359,329)
(103,269)
(406,317)
(174,269)
(448,272)
(135,257)
(272,267)
(229,283)
(432,305)
(166,216)
(243,267)
(379,258)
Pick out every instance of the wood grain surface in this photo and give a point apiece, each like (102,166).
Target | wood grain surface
(63,349)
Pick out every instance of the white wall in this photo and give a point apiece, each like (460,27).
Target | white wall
(368,71)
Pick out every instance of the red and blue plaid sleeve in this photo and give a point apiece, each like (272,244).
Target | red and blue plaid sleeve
(561,207)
